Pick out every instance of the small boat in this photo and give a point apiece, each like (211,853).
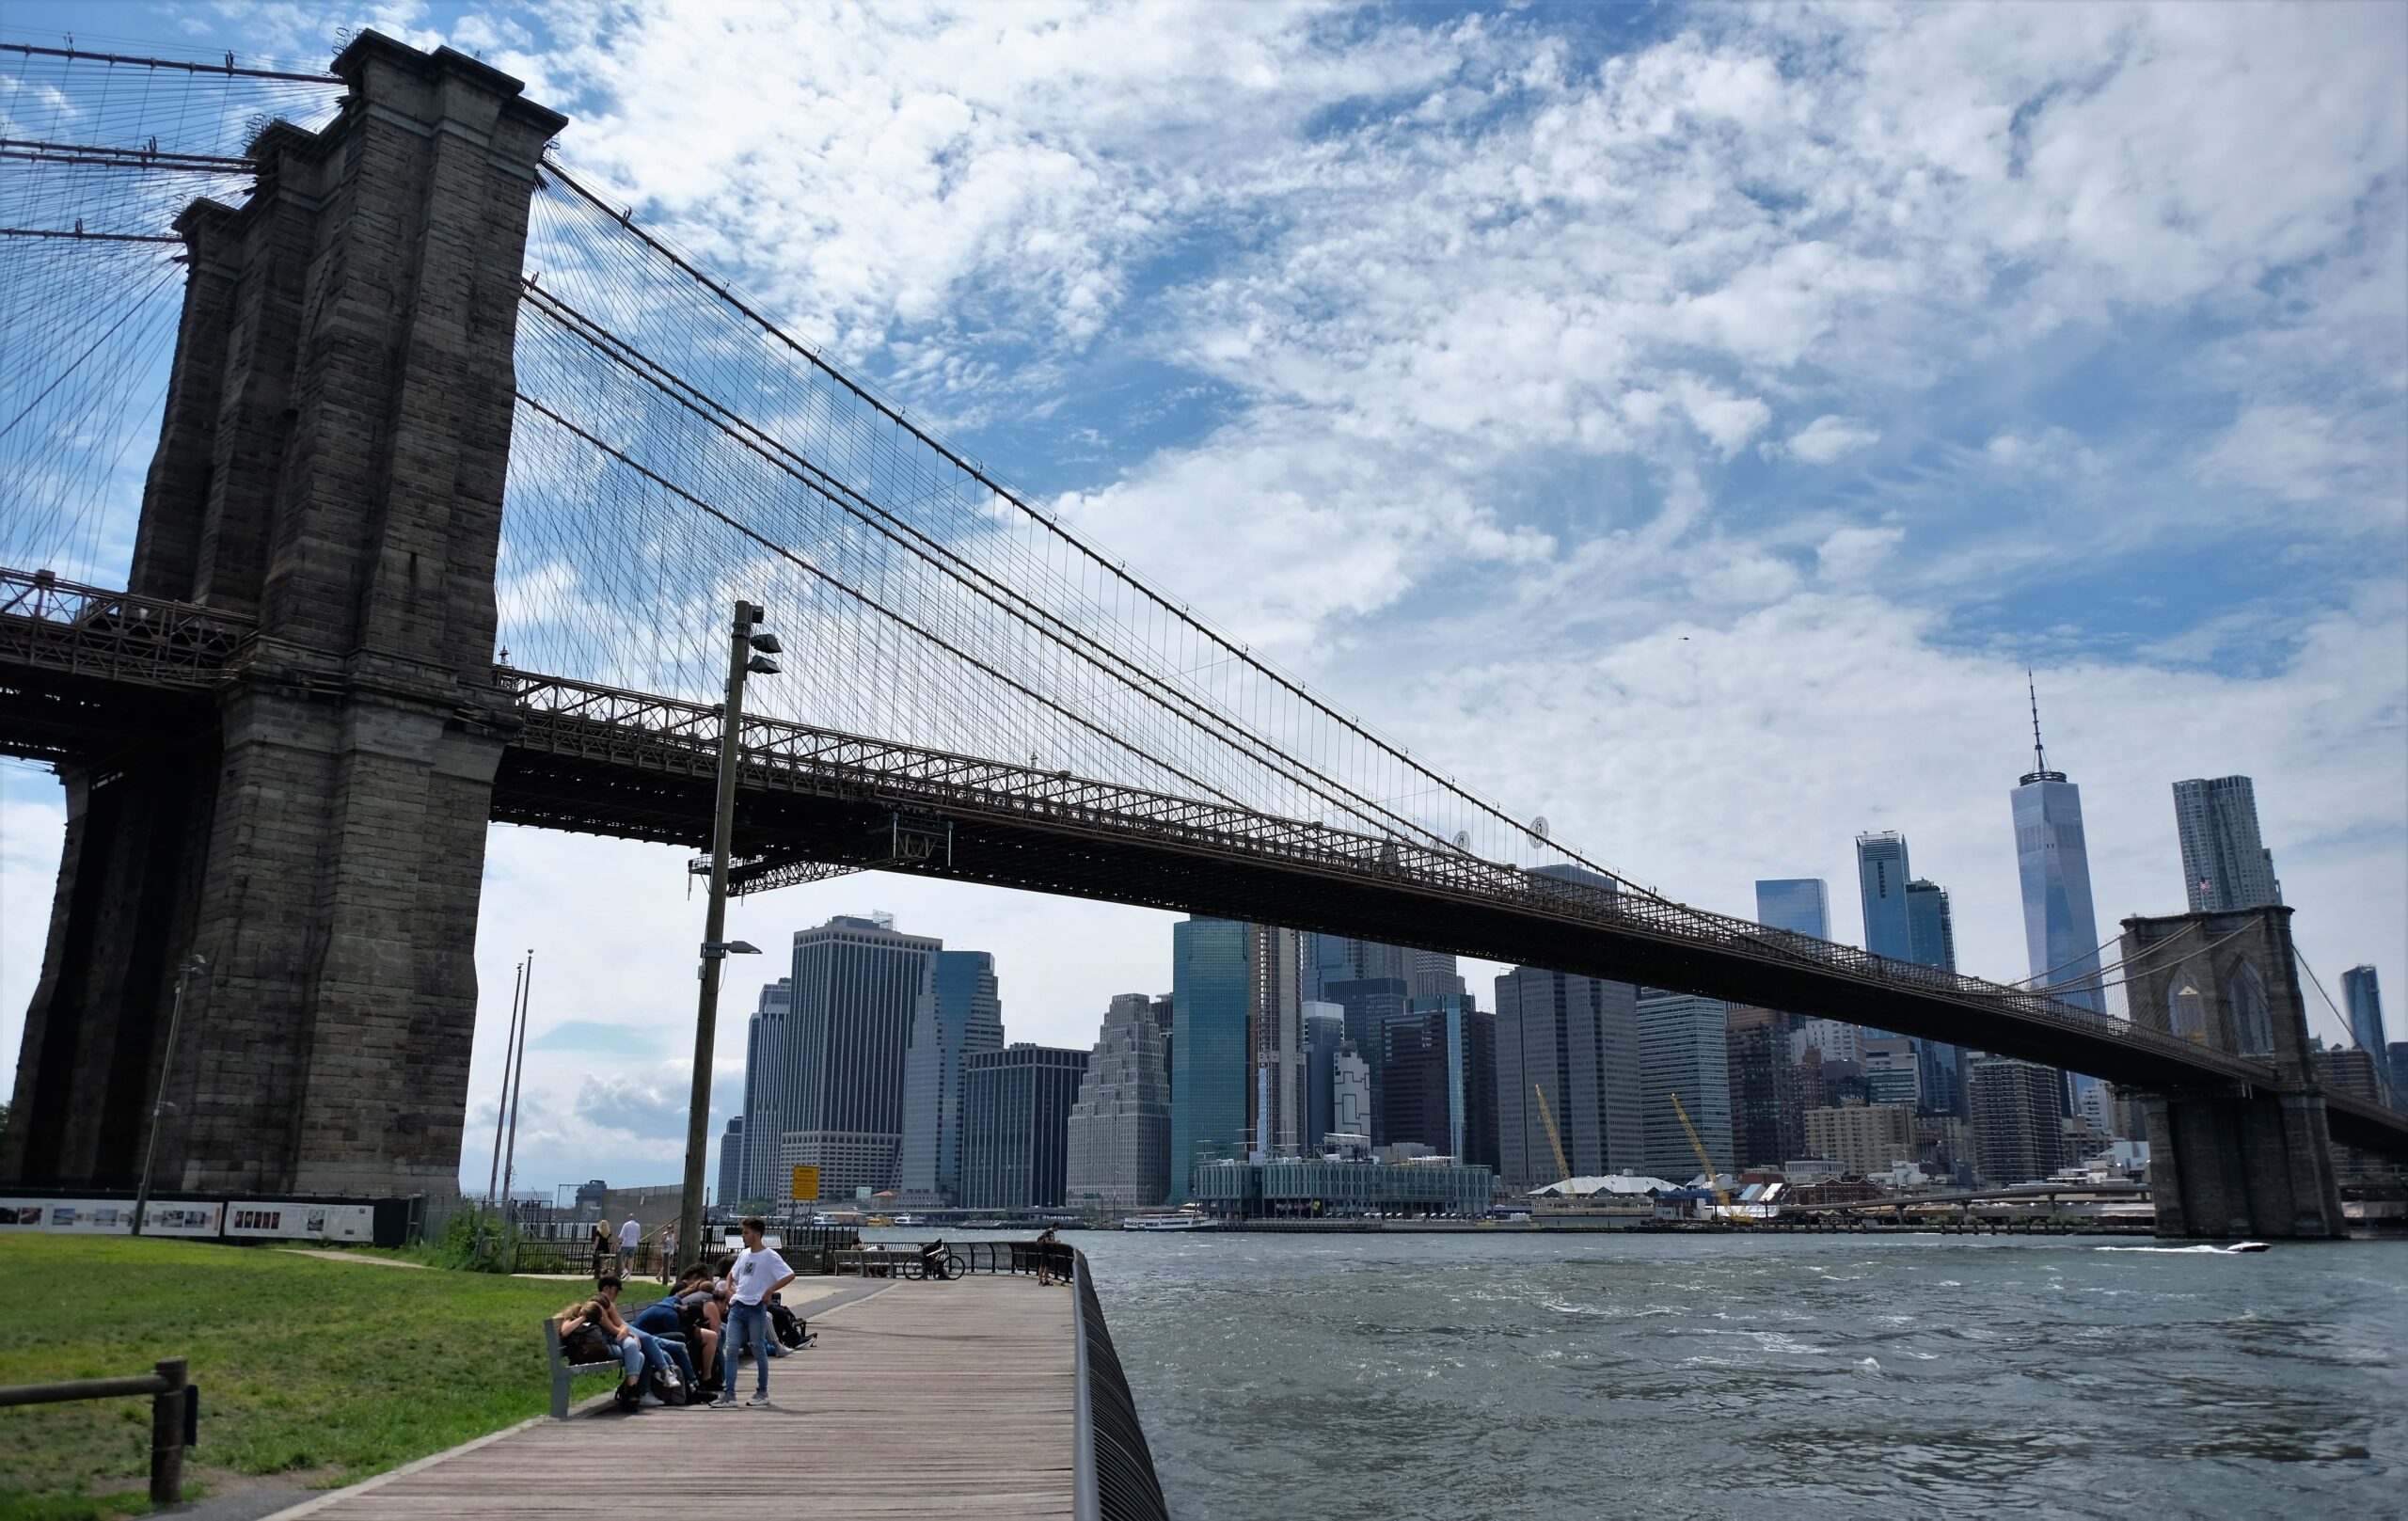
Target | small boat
(1182,1221)
(2247,1247)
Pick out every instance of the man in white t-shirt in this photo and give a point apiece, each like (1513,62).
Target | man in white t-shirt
(758,1273)
(631,1237)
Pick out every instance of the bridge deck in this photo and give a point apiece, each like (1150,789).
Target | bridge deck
(925,1400)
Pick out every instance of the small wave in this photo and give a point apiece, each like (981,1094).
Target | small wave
(1870,1367)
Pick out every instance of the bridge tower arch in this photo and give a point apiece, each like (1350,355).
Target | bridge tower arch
(330,463)
(2235,1160)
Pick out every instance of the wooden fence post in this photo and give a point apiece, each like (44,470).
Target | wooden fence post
(168,1434)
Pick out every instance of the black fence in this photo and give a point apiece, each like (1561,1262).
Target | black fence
(1113,1477)
(999,1258)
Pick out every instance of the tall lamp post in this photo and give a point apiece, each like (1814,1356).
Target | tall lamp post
(749,649)
(185,967)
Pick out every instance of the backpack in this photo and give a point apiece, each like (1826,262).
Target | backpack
(785,1325)
(586,1344)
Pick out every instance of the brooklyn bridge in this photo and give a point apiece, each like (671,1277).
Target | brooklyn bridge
(455,471)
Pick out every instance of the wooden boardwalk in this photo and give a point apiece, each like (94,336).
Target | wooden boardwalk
(922,1400)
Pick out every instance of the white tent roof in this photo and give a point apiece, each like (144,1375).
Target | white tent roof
(1621,1182)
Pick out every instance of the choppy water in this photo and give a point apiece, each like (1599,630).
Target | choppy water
(1458,1377)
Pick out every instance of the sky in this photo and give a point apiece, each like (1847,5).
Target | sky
(1688,423)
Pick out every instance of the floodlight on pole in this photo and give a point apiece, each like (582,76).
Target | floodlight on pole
(159,1104)
(745,638)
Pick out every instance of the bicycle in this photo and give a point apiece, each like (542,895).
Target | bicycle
(947,1267)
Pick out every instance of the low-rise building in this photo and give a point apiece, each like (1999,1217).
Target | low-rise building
(1287,1188)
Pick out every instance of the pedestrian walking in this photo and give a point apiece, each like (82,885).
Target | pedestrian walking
(758,1273)
(668,1250)
(1045,1259)
(631,1237)
(599,1248)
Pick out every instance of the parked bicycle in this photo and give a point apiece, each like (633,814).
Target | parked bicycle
(934,1262)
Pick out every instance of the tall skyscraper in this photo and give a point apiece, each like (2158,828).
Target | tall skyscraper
(2017,1133)
(1431,975)
(2052,858)
(1576,1039)
(1931,940)
(2225,864)
(857,985)
(1324,1031)
(2362,1000)
(1211,1068)
(2396,1067)
(1016,1108)
(769,1081)
(1440,1066)
(1366,1001)
(1881,877)
(1275,964)
(1767,1120)
(1682,1049)
(1350,1083)
(1337,959)
(960,1012)
(1120,1129)
(1799,904)
(731,1164)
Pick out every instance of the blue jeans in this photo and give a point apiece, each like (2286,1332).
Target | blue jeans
(631,1352)
(745,1322)
(661,1351)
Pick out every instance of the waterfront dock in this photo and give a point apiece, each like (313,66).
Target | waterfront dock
(920,1399)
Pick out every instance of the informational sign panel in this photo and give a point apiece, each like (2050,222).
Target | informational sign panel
(301,1222)
(83,1216)
(806,1183)
(181,1218)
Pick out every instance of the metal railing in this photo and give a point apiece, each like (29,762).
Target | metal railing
(89,631)
(1000,1258)
(174,1414)
(1113,1475)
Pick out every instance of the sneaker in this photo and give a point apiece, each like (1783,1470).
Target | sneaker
(654,1400)
(758,1402)
(725,1402)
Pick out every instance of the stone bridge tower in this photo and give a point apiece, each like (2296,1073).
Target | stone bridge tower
(330,463)
(2234,1161)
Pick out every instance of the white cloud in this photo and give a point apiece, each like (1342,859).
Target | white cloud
(1829,438)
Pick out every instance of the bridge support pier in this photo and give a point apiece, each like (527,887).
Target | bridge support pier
(2241,1163)
(330,464)
(2233,1161)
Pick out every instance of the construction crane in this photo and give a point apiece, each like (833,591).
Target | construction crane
(1721,1196)
(1554,1140)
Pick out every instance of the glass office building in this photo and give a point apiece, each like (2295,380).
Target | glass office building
(960,1012)
(1016,1108)
(1212,995)
(2225,864)
(1801,904)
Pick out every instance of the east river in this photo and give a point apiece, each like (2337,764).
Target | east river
(1645,1377)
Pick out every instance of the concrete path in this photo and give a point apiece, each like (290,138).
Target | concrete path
(936,1399)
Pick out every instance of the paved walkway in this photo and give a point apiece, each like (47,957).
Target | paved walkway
(937,1400)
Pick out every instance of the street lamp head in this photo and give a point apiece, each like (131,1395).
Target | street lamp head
(761,665)
(767,644)
(192,963)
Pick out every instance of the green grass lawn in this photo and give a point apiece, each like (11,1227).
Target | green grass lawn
(321,1371)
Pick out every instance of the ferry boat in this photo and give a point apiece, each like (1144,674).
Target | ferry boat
(1183,1220)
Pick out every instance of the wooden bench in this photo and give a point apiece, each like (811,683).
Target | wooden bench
(563,1371)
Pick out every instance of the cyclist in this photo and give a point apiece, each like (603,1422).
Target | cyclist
(932,1255)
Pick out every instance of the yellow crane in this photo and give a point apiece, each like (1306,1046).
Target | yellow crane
(1554,1140)
(1721,1196)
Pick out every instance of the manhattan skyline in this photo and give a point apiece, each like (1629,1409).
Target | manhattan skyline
(1814,536)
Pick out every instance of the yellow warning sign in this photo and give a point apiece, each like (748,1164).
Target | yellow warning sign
(806,1183)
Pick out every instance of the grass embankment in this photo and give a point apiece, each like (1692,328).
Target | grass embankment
(318,1371)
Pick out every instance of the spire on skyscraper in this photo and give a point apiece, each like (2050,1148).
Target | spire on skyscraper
(2039,771)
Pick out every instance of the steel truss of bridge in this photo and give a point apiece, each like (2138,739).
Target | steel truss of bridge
(105,678)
